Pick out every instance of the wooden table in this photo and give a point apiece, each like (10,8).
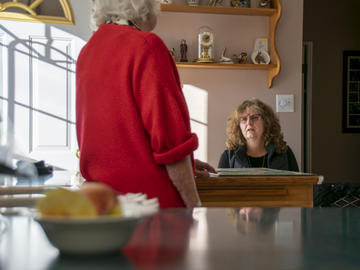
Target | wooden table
(257,190)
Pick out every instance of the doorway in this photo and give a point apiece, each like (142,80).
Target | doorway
(307,103)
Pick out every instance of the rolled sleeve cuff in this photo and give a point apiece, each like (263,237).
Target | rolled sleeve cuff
(179,152)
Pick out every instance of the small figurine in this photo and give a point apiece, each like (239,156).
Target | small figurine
(215,3)
(172,52)
(265,4)
(240,3)
(224,59)
(241,58)
(183,51)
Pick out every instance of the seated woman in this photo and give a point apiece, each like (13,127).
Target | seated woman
(255,139)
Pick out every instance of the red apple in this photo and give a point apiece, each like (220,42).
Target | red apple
(102,195)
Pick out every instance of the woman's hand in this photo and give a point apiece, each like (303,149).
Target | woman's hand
(202,169)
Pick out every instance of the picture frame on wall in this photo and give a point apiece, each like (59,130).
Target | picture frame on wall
(351,92)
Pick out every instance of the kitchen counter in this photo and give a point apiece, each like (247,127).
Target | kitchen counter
(205,238)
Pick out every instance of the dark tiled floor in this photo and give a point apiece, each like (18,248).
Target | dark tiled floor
(347,201)
(339,195)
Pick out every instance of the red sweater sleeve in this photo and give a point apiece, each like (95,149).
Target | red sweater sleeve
(161,103)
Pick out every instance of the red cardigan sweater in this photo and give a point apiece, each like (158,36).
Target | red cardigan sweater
(131,115)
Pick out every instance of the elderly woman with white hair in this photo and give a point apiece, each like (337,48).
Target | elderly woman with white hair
(132,121)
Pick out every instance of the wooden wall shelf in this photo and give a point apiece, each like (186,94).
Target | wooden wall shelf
(274,15)
(219,10)
(224,66)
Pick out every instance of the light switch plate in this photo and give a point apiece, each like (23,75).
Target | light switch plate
(284,103)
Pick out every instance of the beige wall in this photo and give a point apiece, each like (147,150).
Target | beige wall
(334,154)
(227,88)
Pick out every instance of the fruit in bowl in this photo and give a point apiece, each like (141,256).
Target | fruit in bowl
(85,221)
(91,200)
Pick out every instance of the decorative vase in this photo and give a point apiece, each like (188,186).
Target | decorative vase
(193,2)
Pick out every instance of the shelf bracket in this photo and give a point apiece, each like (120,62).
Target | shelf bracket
(273,23)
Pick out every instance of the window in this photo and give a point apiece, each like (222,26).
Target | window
(37,11)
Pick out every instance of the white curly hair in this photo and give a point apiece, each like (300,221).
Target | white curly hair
(103,10)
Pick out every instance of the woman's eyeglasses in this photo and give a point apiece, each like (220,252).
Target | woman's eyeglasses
(252,118)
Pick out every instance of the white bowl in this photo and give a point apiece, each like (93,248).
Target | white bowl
(89,235)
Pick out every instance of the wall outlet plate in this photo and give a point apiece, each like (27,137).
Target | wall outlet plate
(284,103)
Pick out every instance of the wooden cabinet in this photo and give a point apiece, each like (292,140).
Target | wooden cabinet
(274,16)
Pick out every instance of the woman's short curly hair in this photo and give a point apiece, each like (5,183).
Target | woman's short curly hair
(272,129)
(103,10)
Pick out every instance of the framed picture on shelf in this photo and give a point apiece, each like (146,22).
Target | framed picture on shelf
(351,92)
